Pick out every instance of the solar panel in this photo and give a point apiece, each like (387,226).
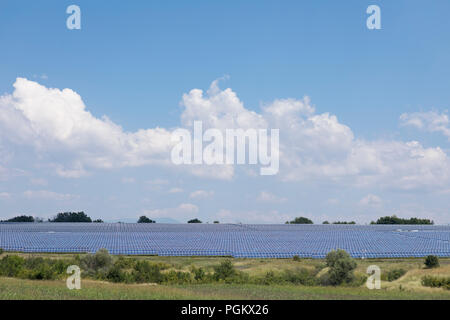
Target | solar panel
(240,241)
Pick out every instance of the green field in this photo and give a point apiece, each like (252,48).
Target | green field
(407,287)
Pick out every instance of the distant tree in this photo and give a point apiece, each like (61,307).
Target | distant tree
(98,221)
(71,217)
(325,222)
(216,221)
(395,220)
(431,262)
(300,220)
(344,222)
(144,219)
(20,219)
(194,221)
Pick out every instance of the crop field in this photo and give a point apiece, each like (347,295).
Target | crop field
(235,240)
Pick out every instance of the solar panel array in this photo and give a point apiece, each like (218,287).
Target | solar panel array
(241,241)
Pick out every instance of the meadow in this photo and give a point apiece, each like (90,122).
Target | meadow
(407,286)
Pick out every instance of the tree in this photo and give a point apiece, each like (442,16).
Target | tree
(21,219)
(344,222)
(144,219)
(98,221)
(395,220)
(71,217)
(431,261)
(216,222)
(194,221)
(341,266)
(325,222)
(300,220)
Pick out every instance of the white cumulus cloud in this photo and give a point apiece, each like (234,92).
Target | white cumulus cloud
(201,194)
(48,195)
(65,136)
(371,200)
(183,211)
(430,121)
(265,196)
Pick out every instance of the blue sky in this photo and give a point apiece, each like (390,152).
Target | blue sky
(133,63)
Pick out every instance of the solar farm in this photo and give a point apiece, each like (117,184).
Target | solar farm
(236,240)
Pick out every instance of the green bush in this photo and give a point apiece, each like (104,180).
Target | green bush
(224,270)
(1,251)
(177,277)
(43,272)
(436,282)
(395,274)
(146,272)
(300,276)
(97,264)
(116,274)
(199,274)
(125,263)
(296,258)
(431,262)
(11,266)
(341,267)
(269,278)
(32,268)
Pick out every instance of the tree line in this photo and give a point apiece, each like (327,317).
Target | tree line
(83,217)
(383,220)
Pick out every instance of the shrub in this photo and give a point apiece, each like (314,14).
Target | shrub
(125,263)
(431,262)
(43,272)
(116,274)
(98,263)
(436,282)
(341,267)
(177,277)
(269,278)
(296,258)
(199,274)
(395,274)
(1,251)
(11,266)
(300,276)
(146,272)
(224,270)
(60,266)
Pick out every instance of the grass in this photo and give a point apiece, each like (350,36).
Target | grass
(407,287)
(18,289)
